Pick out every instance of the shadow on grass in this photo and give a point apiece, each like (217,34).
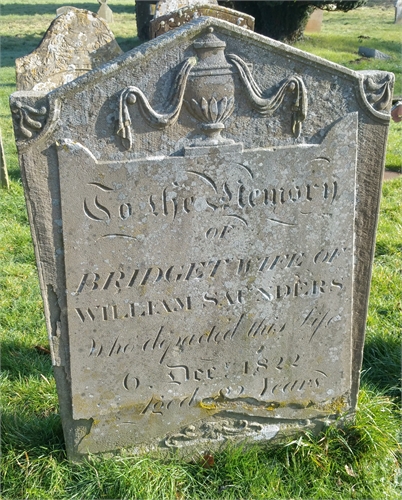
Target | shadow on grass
(18,360)
(127,44)
(14,174)
(29,431)
(382,365)
(14,47)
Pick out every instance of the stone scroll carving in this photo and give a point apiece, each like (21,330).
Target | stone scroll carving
(219,430)
(206,85)
(29,120)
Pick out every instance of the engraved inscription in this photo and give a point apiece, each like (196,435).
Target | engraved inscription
(233,201)
(118,280)
(216,283)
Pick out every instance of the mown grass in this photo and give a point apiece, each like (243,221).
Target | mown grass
(343,33)
(360,460)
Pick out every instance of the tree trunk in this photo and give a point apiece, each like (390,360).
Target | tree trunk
(143,17)
(282,20)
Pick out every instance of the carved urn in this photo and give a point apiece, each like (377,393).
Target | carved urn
(210,89)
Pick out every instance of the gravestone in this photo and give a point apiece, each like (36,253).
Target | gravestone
(314,23)
(4,181)
(164,7)
(105,12)
(76,42)
(161,24)
(374,53)
(204,232)
(398,11)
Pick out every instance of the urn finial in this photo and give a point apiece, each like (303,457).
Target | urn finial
(210,90)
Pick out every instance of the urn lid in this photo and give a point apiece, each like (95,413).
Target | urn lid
(209,41)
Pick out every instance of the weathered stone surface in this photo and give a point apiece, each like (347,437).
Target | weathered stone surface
(204,231)
(76,42)
(374,53)
(164,23)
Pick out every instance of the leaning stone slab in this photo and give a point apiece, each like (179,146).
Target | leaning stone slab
(374,53)
(204,232)
(76,42)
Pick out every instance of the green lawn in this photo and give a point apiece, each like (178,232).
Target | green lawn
(361,460)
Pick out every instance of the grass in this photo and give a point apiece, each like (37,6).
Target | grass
(344,32)
(361,460)
(341,36)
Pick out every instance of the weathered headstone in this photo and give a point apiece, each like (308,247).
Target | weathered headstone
(161,24)
(314,23)
(4,181)
(164,7)
(398,11)
(105,12)
(205,230)
(76,42)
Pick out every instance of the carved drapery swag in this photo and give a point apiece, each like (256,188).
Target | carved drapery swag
(130,95)
(379,94)
(266,106)
(210,111)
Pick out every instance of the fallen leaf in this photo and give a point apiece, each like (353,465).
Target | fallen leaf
(207,461)
(350,471)
(42,350)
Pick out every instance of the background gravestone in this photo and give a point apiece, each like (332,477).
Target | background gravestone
(314,23)
(4,181)
(105,12)
(163,23)
(398,12)
(204,231)
(164,7)
(76,42)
